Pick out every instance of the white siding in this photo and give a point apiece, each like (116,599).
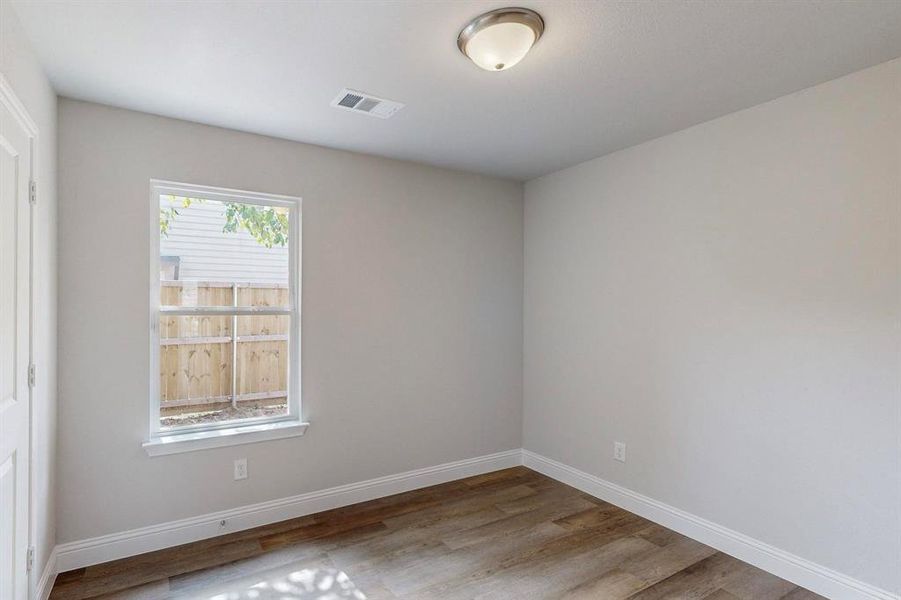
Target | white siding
(206,253)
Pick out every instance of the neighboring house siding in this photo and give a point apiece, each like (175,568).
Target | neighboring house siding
(206,253)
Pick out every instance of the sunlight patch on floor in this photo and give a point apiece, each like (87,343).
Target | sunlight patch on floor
(318,583)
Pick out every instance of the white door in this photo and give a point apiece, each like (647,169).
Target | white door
(15,232)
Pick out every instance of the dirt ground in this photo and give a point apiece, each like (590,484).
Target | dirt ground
(223,414)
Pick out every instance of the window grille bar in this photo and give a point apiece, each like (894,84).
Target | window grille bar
(225,310)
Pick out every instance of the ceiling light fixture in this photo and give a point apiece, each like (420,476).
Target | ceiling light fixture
(499,39)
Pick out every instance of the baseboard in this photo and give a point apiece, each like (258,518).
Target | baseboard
(796,569)
(48,576)
(799,571)
(83,553)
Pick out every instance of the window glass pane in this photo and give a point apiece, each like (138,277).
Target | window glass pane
(196,377)
(217,369)
(208,248)
(195,381)
(262,359)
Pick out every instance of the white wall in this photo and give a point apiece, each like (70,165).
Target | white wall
(412,318)
(20,67)
(726,301)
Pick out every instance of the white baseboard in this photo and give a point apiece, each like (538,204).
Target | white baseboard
(83,553)
(799,571)
(48,576)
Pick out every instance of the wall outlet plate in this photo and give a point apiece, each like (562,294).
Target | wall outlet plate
(240,468)
(619,451)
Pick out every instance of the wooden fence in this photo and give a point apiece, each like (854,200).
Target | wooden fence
(198,354)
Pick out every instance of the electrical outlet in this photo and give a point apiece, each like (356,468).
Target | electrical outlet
(619,451)
(240,469)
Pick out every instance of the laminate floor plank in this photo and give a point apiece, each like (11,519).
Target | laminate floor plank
(660,535)
(721,595)
(695,581)
(554,508)
(615,584)
(288,557)
(111,577)
(800,593)
(468,563)
(155,590)
(551,578)
(752,583)
(553,552)
(508,535)
(663,561)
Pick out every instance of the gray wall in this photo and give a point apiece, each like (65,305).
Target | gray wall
(412,318)
(20,67)
(726,301)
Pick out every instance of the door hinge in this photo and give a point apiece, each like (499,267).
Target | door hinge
(33,191)
(29,559)
(31,375)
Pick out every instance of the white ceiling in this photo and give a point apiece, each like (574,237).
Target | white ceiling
(606,75)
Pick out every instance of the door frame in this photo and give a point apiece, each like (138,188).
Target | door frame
(15,106)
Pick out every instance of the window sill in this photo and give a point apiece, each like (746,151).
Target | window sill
(218,438)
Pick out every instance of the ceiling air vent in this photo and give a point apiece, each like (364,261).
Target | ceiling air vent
(361,102)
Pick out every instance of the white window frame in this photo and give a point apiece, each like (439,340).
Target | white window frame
(183,439)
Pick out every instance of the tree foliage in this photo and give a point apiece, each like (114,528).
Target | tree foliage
(268,225)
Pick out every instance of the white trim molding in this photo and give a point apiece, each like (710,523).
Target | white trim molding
(218,438)
(791,567)
(83,553)
(203,436)
(48,577)
(19,112)
(9,98)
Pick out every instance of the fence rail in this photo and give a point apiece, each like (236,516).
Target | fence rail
(278,337)
(209,361)
(197,402)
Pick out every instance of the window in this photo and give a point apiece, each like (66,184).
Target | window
(225,317)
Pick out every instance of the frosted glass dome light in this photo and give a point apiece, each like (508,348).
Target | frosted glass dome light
(497,40)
